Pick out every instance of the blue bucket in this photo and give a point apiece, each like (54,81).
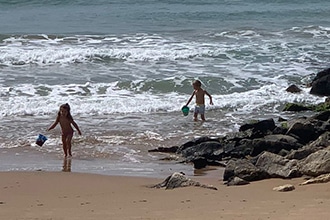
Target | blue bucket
(41,139)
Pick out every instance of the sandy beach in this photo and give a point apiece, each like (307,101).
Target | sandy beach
(43,195)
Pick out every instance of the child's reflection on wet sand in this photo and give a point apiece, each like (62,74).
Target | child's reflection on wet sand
(66,165)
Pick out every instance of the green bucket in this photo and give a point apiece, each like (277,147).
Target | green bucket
(185,110)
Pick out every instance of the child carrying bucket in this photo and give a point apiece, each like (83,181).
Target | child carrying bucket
(199,93)
(65,120)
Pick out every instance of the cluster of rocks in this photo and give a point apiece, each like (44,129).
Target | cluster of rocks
(265,149)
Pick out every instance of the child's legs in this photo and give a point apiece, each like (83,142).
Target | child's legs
(68,144)
(195,116)
(64,143)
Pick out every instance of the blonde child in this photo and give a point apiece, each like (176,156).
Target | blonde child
(199,93)
(65,120)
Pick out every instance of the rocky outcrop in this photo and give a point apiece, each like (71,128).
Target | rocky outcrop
(257,137)
(264,149)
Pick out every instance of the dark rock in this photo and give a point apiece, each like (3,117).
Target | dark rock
(280,130)
(165,149)
(193,143)
(321,83)
(293,89)
(243,169)
(242,149)
(296,107)
(277,166)
(303,129)
(300,153)
(323,116)
(274,144)
(280,119)
(316,164)
(199,163)
(260,126)
(320,143)
(211,150)
(321,107)
(283,152)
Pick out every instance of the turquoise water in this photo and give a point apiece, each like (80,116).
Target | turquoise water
(126,69)
(146,16)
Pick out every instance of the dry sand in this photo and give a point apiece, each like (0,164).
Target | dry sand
(61,195)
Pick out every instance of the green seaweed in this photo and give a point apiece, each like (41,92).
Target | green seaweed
(297,107)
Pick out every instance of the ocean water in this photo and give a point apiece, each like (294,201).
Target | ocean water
(126,69)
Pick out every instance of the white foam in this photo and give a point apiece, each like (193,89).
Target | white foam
(261,60)
(24,100)
(45,50)
(264,98)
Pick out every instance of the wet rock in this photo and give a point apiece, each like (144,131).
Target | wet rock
(321,83)
(193,143)
(304,130)
(165,149)
(294,107)
(293,89)
(259,128)
(274,144)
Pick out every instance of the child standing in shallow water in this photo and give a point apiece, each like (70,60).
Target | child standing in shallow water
(65,119)
(199,93)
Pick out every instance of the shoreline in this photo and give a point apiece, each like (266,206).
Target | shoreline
(31,161)
(64,195)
